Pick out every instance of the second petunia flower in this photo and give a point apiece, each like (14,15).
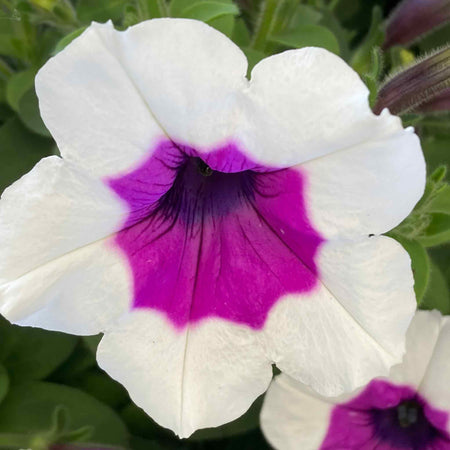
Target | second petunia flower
(408,410)
(210,225)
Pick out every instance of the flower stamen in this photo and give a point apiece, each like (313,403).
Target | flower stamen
(203,168)
(408,413)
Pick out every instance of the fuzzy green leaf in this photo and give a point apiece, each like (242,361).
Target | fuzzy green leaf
(438,230)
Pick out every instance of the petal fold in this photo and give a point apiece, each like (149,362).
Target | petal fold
(368,189)
(352,327)
(201,377)
(91,106)
(307,103)
(54,228)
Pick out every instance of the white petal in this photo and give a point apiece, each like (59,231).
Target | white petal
(91,106)
(435,383)
(50,211)
(201,376)
(293,417)
(190,75)
(421,340)
(307,103)
(368,189)
(44,218)
(352,327)
(183,79)
(81,292)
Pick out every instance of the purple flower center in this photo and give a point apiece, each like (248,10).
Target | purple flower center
(387,416)
(405,426)
(215,234)
(200,193)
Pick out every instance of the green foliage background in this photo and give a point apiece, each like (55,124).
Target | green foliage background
(51,389)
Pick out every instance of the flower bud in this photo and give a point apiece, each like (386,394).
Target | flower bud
(424,83)
(439,103)
(413,18)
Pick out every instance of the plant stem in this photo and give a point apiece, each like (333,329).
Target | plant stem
(163,9)
(266,17)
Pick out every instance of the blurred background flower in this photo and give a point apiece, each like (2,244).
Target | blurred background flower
(410,409)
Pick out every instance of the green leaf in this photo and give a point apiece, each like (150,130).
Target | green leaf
(4,382)
(28,408)
(241,34)
(6,338)
(80,361)
(305,15)
(104,388)
(5,113)
(138,443)
(224,24)
(36,353)
(30,115)
(10,44)
(439,174)
(437,295)
(141,424)
(361,59)
(208,10)
(17,85)
(178,7)
(436,151)
(343,35)
(66,40)
(20,150)
(441,203)
(308,36)
(253,57)
(99,10)
(420,263)
(438,230)
(92,342)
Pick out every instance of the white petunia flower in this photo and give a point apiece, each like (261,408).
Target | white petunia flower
(210,225)
(409,410)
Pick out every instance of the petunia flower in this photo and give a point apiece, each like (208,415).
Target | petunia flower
(210,225)
(410,409)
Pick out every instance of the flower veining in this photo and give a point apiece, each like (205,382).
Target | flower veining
(224,220)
